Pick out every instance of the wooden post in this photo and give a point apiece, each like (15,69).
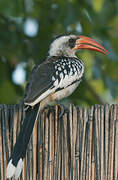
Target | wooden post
(79,144)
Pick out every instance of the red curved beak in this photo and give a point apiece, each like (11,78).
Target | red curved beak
(84,42)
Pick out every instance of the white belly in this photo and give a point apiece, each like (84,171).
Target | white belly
(65,92)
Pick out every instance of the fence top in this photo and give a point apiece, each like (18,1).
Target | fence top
(73,143)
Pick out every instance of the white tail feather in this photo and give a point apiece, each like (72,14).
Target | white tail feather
(10,169)
(18,168)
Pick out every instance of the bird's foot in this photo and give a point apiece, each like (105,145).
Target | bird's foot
(62,109)
(47,109)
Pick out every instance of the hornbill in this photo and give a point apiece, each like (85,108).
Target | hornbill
(53,79)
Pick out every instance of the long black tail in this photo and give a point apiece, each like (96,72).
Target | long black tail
(16,160)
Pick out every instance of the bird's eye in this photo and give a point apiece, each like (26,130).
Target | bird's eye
(72,42)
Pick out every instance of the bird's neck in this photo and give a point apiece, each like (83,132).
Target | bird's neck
(64,54)
(61,52)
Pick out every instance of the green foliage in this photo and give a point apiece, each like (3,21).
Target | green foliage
(97,19)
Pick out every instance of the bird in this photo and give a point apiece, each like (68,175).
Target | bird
(51,80)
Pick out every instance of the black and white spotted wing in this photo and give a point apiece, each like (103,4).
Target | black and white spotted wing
(53,74)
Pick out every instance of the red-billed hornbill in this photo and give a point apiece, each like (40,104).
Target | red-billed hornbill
(56,78)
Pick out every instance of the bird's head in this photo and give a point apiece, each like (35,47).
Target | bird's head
(68,45)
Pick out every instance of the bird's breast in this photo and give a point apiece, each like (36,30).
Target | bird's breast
(67,71)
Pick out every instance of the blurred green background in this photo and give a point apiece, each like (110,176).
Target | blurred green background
(27,28)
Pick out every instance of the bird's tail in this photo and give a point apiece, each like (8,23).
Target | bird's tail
(16,160)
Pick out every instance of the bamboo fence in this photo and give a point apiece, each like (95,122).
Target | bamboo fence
(67,143)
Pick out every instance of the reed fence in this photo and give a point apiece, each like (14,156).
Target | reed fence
(67,143)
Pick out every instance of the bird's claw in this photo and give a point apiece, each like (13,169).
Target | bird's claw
(62,110)
(48,109)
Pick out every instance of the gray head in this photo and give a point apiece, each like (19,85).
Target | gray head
(63,45)
(68,45)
